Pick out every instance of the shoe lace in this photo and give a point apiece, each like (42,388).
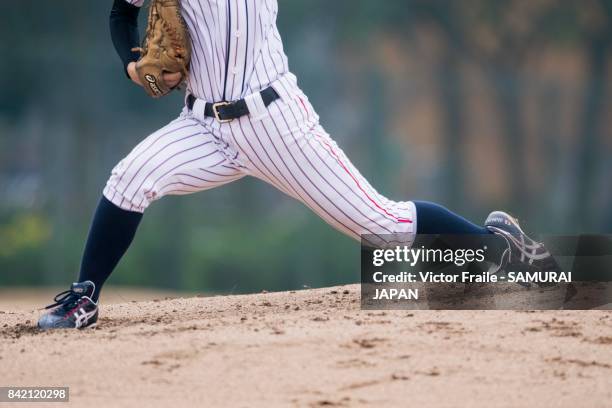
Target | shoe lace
(504,258)
(527,249)
(65,298)
(530,250)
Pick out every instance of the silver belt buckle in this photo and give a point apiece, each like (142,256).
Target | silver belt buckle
(215,108)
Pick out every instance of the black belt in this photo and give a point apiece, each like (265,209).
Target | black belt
(227,111)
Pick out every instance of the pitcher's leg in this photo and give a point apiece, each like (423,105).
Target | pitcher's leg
(110,235)
(384,220)
(180,158)
(309,166)
(327,181)
(290,150)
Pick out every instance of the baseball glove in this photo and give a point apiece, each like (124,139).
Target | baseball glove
(166,47)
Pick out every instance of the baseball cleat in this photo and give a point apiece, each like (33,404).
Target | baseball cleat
(73,309)
(523,253)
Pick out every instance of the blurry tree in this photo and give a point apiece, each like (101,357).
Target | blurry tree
(499,36)
(596,18)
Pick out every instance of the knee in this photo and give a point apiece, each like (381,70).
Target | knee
(129,188)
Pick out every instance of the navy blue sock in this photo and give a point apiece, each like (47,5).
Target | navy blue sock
(112,231)
(433,219)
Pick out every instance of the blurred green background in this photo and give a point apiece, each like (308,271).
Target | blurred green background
(476,104)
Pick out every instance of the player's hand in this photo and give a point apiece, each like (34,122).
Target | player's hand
(131,69)
(171,79)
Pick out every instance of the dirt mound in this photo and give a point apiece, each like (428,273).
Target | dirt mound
(314,348)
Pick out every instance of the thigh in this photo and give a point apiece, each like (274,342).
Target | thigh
(372,212)
(295,154)
(180,158)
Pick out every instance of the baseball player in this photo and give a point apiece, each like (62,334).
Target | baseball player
(244,115)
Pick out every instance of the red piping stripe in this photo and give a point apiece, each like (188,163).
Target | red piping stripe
(304,106)
(331,149)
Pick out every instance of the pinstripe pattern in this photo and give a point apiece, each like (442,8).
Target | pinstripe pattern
(180,158)
(287,148)
(231,39)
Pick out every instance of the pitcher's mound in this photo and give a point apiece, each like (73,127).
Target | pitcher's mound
(314,348)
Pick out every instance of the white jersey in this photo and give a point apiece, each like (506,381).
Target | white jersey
(236,47)
(237,51)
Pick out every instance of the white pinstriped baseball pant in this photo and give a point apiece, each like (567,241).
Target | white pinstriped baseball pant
(283,145)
